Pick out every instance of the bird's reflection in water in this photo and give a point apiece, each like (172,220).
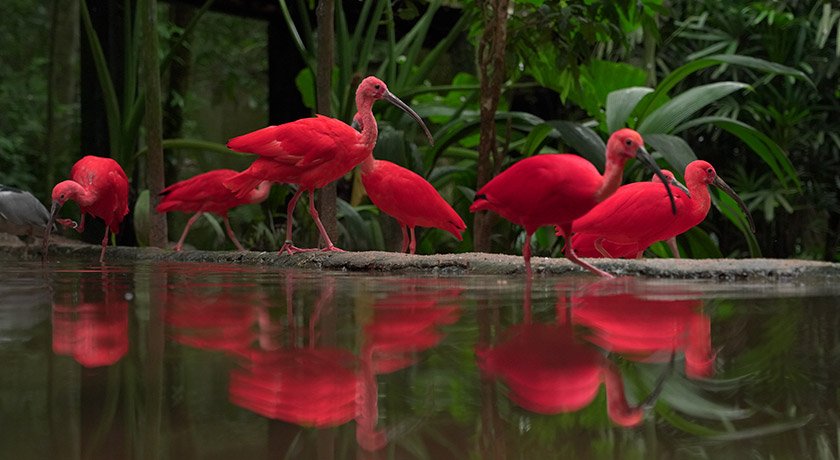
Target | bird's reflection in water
(646,323)
(91,324)
(222,321)
(548,370)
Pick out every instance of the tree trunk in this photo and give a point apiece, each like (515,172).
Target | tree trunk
(178,77)
(491,70)
(327,201)
(61,89)
(154,156)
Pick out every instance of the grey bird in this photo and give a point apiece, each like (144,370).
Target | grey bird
(21,214)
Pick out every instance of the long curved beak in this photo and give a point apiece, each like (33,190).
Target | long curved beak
(719,183)
(405,108)
(53,213)
(680,186)
(643,156)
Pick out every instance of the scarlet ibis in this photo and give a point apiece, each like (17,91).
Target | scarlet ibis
(21,214)
(557,189)
(594,245)
(312,152)
(206,193)
(408,198)
(639,217)
(100,187)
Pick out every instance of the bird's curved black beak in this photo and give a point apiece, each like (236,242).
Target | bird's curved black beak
(643,156)
(56,206)
(719,183)
(680,186)
(389,96)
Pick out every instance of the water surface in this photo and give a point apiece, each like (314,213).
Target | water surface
(185,360)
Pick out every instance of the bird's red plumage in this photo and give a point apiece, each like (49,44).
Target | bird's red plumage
(409,198)
(108,181)
(547,189)
(204,192)
(639,214)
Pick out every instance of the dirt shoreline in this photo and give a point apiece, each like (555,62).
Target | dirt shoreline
(442,264)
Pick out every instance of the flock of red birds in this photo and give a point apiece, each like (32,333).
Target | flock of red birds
(592,211)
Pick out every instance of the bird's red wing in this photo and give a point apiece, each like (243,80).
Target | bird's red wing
(307,142)
(203,191)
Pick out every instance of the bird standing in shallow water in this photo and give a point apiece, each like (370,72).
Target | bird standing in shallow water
(206,193)
(100,187)
(312,152)
(637,215)
(21,214)
(556,189)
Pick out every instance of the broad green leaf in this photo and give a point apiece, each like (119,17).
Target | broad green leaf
(759,142)
(727,206)
(598,79)
(700,244)
(536,138)
(621,103)
(674,149)
(672,113)
(141,218)
(582,140)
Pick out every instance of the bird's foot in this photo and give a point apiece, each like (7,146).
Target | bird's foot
(332,248)
(68,223)
(289,248)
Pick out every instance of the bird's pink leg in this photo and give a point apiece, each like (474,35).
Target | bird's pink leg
(314,213)
(104,244)
(599,246)
(404,247)
(413,245)
(570,254)
(290,211)
(190,222)
(526,253)
(672,243)
(231,235)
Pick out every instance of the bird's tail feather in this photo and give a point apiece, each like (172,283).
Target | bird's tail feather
(480,203)
(242,184)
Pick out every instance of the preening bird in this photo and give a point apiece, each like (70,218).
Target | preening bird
(557,189)
(312,152)
(100,187)
(206,193)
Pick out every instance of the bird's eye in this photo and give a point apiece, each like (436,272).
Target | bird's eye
(628,142)
(710,171)
(377,87)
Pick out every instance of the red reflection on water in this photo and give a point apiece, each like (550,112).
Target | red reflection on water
(646,327)
(314,386)
(403,324)
(548,370)
(91,326)
(224,322)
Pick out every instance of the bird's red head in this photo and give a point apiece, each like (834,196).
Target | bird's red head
(700,171)
(626,143)
(373,88)
(64,191)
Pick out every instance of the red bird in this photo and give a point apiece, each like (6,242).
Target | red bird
(407,197)
(637,215)
(557,189)
(206,193)
(100,187)
(312,152)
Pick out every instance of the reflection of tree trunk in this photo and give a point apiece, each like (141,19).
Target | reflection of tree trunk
(323,84)
(61,89)
(153,366)
(179,72)
(63,380)
(491,64)
(154,154)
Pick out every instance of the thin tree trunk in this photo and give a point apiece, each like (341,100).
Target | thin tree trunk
(491,65)
(154,156)
(327,201)
(178,78)
(61,90)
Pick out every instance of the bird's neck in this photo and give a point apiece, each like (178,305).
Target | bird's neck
(612,179)
(700,195)
(365,118)
(82,196)
(367,164)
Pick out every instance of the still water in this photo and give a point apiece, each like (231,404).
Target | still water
(176,360)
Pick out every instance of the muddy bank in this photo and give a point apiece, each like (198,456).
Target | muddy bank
(469,263)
